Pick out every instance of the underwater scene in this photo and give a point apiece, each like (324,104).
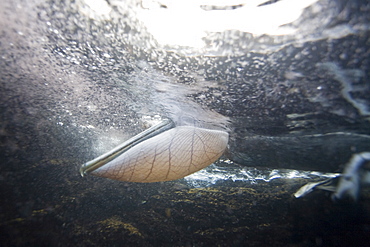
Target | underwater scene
(185,123)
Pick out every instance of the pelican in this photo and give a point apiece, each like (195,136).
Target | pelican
(161,153)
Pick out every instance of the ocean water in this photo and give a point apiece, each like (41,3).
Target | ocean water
(288,80)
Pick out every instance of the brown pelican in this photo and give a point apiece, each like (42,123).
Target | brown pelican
(160,153)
